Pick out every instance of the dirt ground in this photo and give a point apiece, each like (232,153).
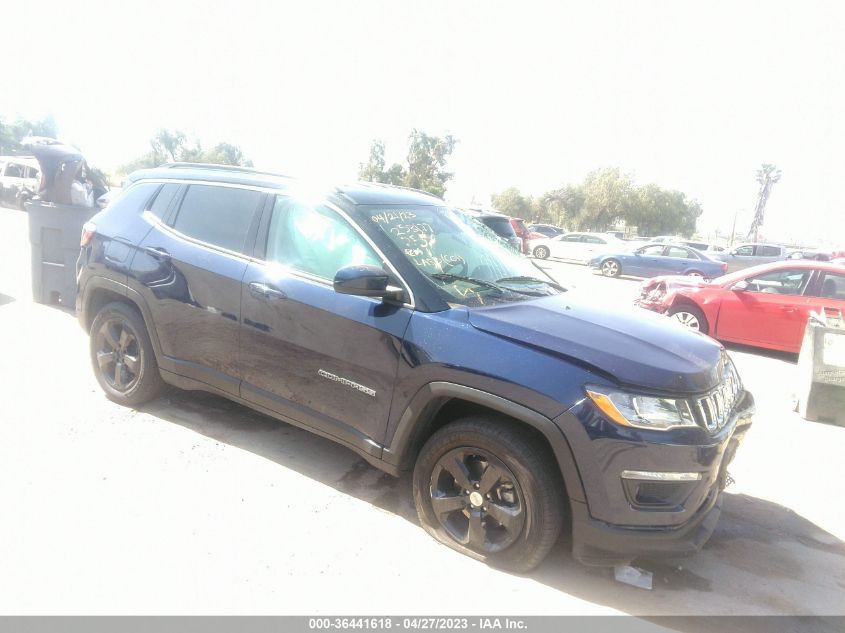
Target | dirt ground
(195,505)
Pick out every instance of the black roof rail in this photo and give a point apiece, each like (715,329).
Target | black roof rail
(218,167)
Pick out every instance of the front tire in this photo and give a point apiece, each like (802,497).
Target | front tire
(122,356)
(542,252)
(491,491)
(611,268)
(691,316)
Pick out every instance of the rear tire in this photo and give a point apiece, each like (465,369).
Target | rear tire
(122,356)
(491,491)
(691,316)
(542,252)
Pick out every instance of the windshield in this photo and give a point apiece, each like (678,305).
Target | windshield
(460,256)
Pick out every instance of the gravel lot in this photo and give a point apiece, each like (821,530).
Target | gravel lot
(195,505)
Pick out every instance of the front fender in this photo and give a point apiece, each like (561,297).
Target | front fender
(418,416)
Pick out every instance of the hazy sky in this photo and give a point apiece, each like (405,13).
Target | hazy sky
(689,95)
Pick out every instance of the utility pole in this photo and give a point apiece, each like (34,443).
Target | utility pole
(733,229)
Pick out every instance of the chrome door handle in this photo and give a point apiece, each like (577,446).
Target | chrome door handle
(258,289)
(157,252)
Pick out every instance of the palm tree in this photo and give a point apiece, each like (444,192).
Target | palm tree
(767,176)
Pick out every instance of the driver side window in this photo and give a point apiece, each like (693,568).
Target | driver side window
(744,251)
(314,239)
(653,250)
(782,282)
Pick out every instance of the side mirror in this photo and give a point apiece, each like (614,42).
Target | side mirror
(365,281)
(740,286)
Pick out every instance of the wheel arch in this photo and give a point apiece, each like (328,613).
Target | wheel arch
(438,403)
(100,291)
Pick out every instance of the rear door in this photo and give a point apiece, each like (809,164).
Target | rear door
(320,358)
(771,312)
(593,246)
(675,260)
(569,246)
(189,269)
(764,253)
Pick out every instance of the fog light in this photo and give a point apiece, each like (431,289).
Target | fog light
(650,490)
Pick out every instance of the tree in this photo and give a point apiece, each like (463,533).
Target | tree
(11,134)
(169,145)
(373,170)
(767,176)
(561,206)
(174,146)
(657,211)
(512,202)
(608,197)
(426,162)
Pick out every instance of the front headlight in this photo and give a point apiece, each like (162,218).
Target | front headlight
(642,412)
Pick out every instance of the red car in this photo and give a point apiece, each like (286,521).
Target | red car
(524,233)
(765,306)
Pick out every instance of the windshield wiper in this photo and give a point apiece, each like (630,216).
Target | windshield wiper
(449,278)
(527,279)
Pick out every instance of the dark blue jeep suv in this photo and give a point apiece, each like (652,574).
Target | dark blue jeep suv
(383,319)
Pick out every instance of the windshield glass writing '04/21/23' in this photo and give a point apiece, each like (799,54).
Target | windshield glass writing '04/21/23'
(462,257)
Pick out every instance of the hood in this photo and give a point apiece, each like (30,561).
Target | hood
(676,281)
(636,347)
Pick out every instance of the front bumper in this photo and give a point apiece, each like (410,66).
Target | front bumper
(655,306)
(610,529)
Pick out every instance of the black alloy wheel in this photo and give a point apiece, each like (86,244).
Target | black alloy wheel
(122,355)
(477,500)
(118,354)
(491,489)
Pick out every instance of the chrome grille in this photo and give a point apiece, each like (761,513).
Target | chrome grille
(714,410)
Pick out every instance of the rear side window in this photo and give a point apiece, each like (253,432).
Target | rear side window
(674,251)
(217,215)
(135,198)
(832,286)
(163,199)
(768,251)
(501,226)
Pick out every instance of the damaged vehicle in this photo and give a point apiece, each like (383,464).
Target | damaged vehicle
(380,318)
(764,306)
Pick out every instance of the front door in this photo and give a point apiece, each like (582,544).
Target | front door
(771,311)
(644,261)
(320,358)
